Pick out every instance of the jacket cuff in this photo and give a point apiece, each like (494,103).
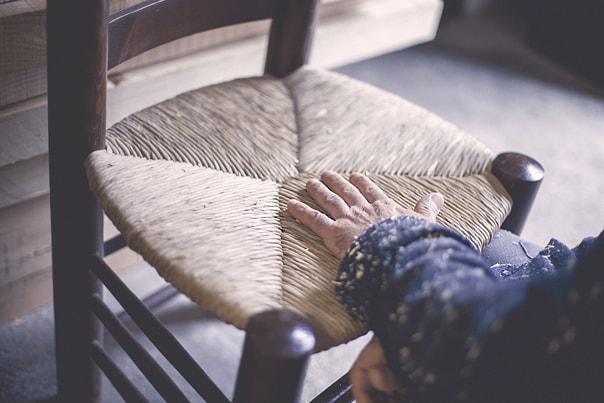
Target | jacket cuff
(364,270)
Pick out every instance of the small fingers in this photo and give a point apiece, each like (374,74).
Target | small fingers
(429,206)
(343,188)
(329,201)
(381,378)
(368,189)
(318,222)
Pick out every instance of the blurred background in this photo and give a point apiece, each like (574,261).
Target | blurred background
(524,76)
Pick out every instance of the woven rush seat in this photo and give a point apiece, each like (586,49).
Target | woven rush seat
(198,185)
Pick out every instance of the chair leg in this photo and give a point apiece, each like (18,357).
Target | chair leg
(338,392)
(276,350)
(76,327)
(521,176)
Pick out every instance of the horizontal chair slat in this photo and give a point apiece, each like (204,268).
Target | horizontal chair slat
(143,360)
(157,333)
(123,385)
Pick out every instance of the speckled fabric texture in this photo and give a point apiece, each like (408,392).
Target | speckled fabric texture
(455,328)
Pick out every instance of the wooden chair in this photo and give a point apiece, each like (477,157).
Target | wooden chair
(83,41)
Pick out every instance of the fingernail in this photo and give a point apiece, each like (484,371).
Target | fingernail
(437,200)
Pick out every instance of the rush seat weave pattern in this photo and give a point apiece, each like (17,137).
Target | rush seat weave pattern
(198,185)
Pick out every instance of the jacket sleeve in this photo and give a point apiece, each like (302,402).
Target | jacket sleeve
(437,306)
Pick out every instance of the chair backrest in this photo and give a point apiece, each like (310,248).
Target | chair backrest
(153,23)
(84,42)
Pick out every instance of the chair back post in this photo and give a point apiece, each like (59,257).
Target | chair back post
(77,44)
(291,35)
(277,346)
(521,176)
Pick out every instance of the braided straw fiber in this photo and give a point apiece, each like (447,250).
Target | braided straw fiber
(199,184)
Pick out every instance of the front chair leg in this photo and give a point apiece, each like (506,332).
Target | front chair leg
(278,344)
(521,176)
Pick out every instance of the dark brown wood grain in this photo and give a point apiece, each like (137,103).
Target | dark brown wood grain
(76,120)
(521,176)
(278,344)
(156,22)
(291,36)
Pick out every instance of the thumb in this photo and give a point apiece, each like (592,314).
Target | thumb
(429,206)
